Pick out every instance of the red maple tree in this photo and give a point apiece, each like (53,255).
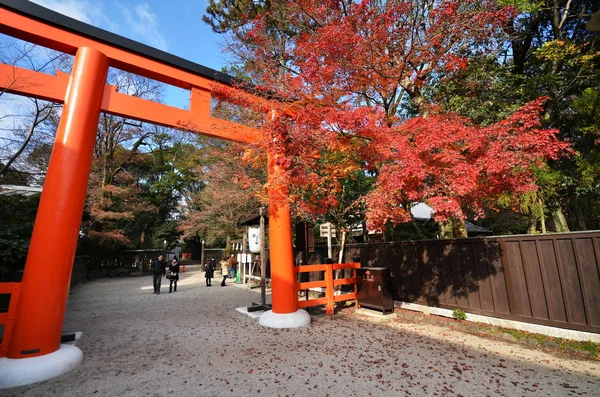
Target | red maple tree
(351,76)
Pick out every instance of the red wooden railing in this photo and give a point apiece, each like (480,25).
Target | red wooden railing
(329,284)
(7,318)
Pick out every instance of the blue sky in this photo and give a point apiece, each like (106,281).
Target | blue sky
(174,26)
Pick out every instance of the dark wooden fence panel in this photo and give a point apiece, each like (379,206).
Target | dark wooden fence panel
(586,259)
(553,286)
(493,251)
(550,280)
(79,272)
(516,282)
(571,278)
(445,262)
(483,278)
(533,277)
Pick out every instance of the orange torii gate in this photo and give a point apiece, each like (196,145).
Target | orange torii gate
(39,316)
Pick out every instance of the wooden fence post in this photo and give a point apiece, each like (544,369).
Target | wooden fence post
(329,289)
(9,317)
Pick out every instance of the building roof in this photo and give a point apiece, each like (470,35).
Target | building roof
(422,211)
(472,228)
(15,190)
(253,217)
(593,24)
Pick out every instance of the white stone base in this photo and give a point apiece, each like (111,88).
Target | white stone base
(244,310)
(300,318)
(24,371)
(375,314)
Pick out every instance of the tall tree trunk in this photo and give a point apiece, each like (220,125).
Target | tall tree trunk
(342,246)
(340,272)
(543,224)
(543,217)
(559,220)
(521,43)
(459,229)
(453,228)
(532,227)
(37,120)
(578,214)
(445,229)
(12,158)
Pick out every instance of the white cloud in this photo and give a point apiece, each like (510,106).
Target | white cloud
(77,9)
(90,12)
(139,21)
(143,23)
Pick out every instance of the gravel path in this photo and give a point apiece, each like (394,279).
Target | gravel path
(194,343)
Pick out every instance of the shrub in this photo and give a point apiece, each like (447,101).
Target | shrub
(459,314)
(17,214)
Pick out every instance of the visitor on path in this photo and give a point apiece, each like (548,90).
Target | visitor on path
(231,269)
(210,273)
(224,268)
(173,275)
(158,271)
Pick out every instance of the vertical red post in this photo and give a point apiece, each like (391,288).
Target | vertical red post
(283,277)
(355,285)
(13,289)
(329,290)
(45,285)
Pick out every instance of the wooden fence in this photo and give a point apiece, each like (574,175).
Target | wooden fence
(547,279)
(79,272)
(329,282)
(8,308)
(550,279)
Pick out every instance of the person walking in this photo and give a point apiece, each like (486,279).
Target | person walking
(174,274)
(209,273)
(158,271)
(231,268)
(224,269)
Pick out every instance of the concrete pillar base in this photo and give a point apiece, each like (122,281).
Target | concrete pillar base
(24,371)
(300,318)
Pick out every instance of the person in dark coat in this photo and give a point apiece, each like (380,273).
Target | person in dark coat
(174,274)
(158,271)
(210,272)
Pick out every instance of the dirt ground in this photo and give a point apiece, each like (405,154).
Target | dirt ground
(194,343)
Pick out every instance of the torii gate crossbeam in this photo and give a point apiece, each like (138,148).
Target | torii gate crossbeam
(44,289)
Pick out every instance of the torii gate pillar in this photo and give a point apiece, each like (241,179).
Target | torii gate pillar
(34,351)
(284,294)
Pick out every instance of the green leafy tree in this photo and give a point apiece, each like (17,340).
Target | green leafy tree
(17,215)
(549,53)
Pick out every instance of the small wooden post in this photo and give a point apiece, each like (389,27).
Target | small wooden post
(329,248)
(13,288)
(329,289)
(263,262)
(202,256)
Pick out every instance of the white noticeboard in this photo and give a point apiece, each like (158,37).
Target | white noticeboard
(324,229)
(254,239)
(239,258)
